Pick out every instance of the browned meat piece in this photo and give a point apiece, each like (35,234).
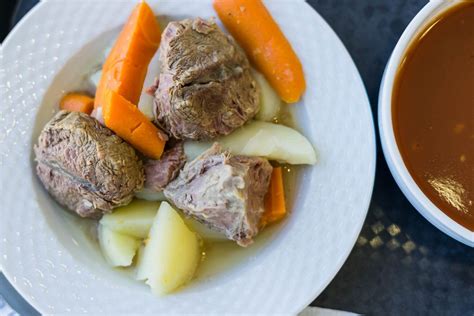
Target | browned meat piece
(224,192)
(86,167)
(205,88)
(158,173)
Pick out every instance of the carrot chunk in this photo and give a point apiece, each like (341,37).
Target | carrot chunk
(275,207)
(77,102)
(125,69)
(126,120)
(266,46)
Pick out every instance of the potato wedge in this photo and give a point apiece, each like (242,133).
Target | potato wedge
(269,140)
(145,104)
(270,102)
(118,249)
(134,219)
(140,268)
(172,252)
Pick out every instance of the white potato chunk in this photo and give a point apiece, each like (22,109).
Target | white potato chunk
(203,231)
(139,266)
(145,105)
(146,101)
(272,141)
(172,253)
(150,195)
(134,219)
(269,140)
(270,102)
(118,249)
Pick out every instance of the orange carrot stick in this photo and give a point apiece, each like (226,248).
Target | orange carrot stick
(125,69)
(267,47)
(126,120)
(77,102)
(275,207)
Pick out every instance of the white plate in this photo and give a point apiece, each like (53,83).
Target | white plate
(50,261)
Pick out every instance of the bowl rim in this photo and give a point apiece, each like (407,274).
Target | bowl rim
(387,137)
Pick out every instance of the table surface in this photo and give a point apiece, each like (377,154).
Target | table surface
(401,264)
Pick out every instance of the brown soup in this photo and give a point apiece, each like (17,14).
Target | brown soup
(433,112)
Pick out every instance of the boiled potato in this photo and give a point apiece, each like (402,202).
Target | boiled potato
(269,140)
(140,269)
(272,141)
(145,104)
(203,231)
(270,102)
(118,249)
(134,219)
(172,252)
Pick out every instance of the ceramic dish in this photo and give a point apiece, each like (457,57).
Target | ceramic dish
(50,260)
(392,154)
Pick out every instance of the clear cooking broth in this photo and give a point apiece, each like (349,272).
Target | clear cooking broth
(433,112)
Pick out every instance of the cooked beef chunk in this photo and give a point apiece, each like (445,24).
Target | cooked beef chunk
(86,167)
(224,192)
(158,173)
(205,88)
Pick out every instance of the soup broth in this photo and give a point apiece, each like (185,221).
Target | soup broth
(433,112)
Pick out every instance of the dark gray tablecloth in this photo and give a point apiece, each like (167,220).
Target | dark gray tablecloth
(401,264)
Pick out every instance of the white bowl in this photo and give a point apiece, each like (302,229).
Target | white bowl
(53,264)
(392,154)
